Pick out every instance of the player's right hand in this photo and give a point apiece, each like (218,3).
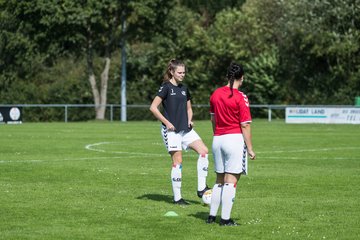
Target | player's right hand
(170,127)
(252,155)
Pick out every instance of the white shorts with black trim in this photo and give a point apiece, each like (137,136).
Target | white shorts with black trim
(177,141)
(230,154)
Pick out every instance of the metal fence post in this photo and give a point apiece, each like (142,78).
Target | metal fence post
(111,112)
(66,113)
(269,114)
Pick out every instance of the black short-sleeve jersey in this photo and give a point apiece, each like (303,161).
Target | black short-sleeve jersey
(175,104)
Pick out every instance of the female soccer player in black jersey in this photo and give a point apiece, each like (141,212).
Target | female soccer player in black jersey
(177,127)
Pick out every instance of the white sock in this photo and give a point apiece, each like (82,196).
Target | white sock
(176,181)
(215,199)
(227,200)
(202,170)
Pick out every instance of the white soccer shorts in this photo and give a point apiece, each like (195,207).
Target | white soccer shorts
(230,154)
(177,141)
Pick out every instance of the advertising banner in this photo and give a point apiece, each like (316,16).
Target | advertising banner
(10,115)
(322,115)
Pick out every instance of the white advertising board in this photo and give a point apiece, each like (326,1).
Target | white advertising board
(322,115)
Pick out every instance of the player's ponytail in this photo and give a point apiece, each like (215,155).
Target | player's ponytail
(173,64)
(235,72)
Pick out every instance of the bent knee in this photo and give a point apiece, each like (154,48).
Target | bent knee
(203,152)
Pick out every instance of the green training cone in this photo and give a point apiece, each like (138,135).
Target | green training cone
(171,214)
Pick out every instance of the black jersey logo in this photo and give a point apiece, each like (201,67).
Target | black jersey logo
(172,92)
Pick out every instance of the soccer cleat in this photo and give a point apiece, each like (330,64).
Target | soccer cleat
(228,222)
(201,193)
(211,219)
(181,201)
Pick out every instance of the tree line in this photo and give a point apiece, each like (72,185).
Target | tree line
(294,51)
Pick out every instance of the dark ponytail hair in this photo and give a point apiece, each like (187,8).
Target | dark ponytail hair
(173,64)
(235,71)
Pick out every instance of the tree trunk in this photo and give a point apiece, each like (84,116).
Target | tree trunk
(99,94)
(95,92)
(91,74)
(100,112)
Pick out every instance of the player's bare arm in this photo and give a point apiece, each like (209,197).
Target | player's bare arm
(212,119)
(190,113)
(154,108)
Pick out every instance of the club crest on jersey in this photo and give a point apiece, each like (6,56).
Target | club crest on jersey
(172,92)
(183,93)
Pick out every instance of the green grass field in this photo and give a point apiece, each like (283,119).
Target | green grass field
(112,181)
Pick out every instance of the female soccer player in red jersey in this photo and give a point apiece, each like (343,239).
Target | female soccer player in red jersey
(177,127)
(231,118)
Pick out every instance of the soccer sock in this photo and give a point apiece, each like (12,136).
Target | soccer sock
(227,200)
(215,199)
(202,170)
(176,181)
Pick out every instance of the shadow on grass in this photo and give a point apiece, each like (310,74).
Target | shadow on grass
(157,197)
(162,198)
(200,215)
(204,216)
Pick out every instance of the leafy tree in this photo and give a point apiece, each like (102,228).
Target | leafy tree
(320,55)
(89,30)
(261,72)
(20,58)
(148,60)
(295,51)
(209,8)
(207,53)
(244,37)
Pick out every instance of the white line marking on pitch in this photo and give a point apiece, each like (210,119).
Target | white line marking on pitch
(311,150)
(91,148)
(65,159)
(127,157)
